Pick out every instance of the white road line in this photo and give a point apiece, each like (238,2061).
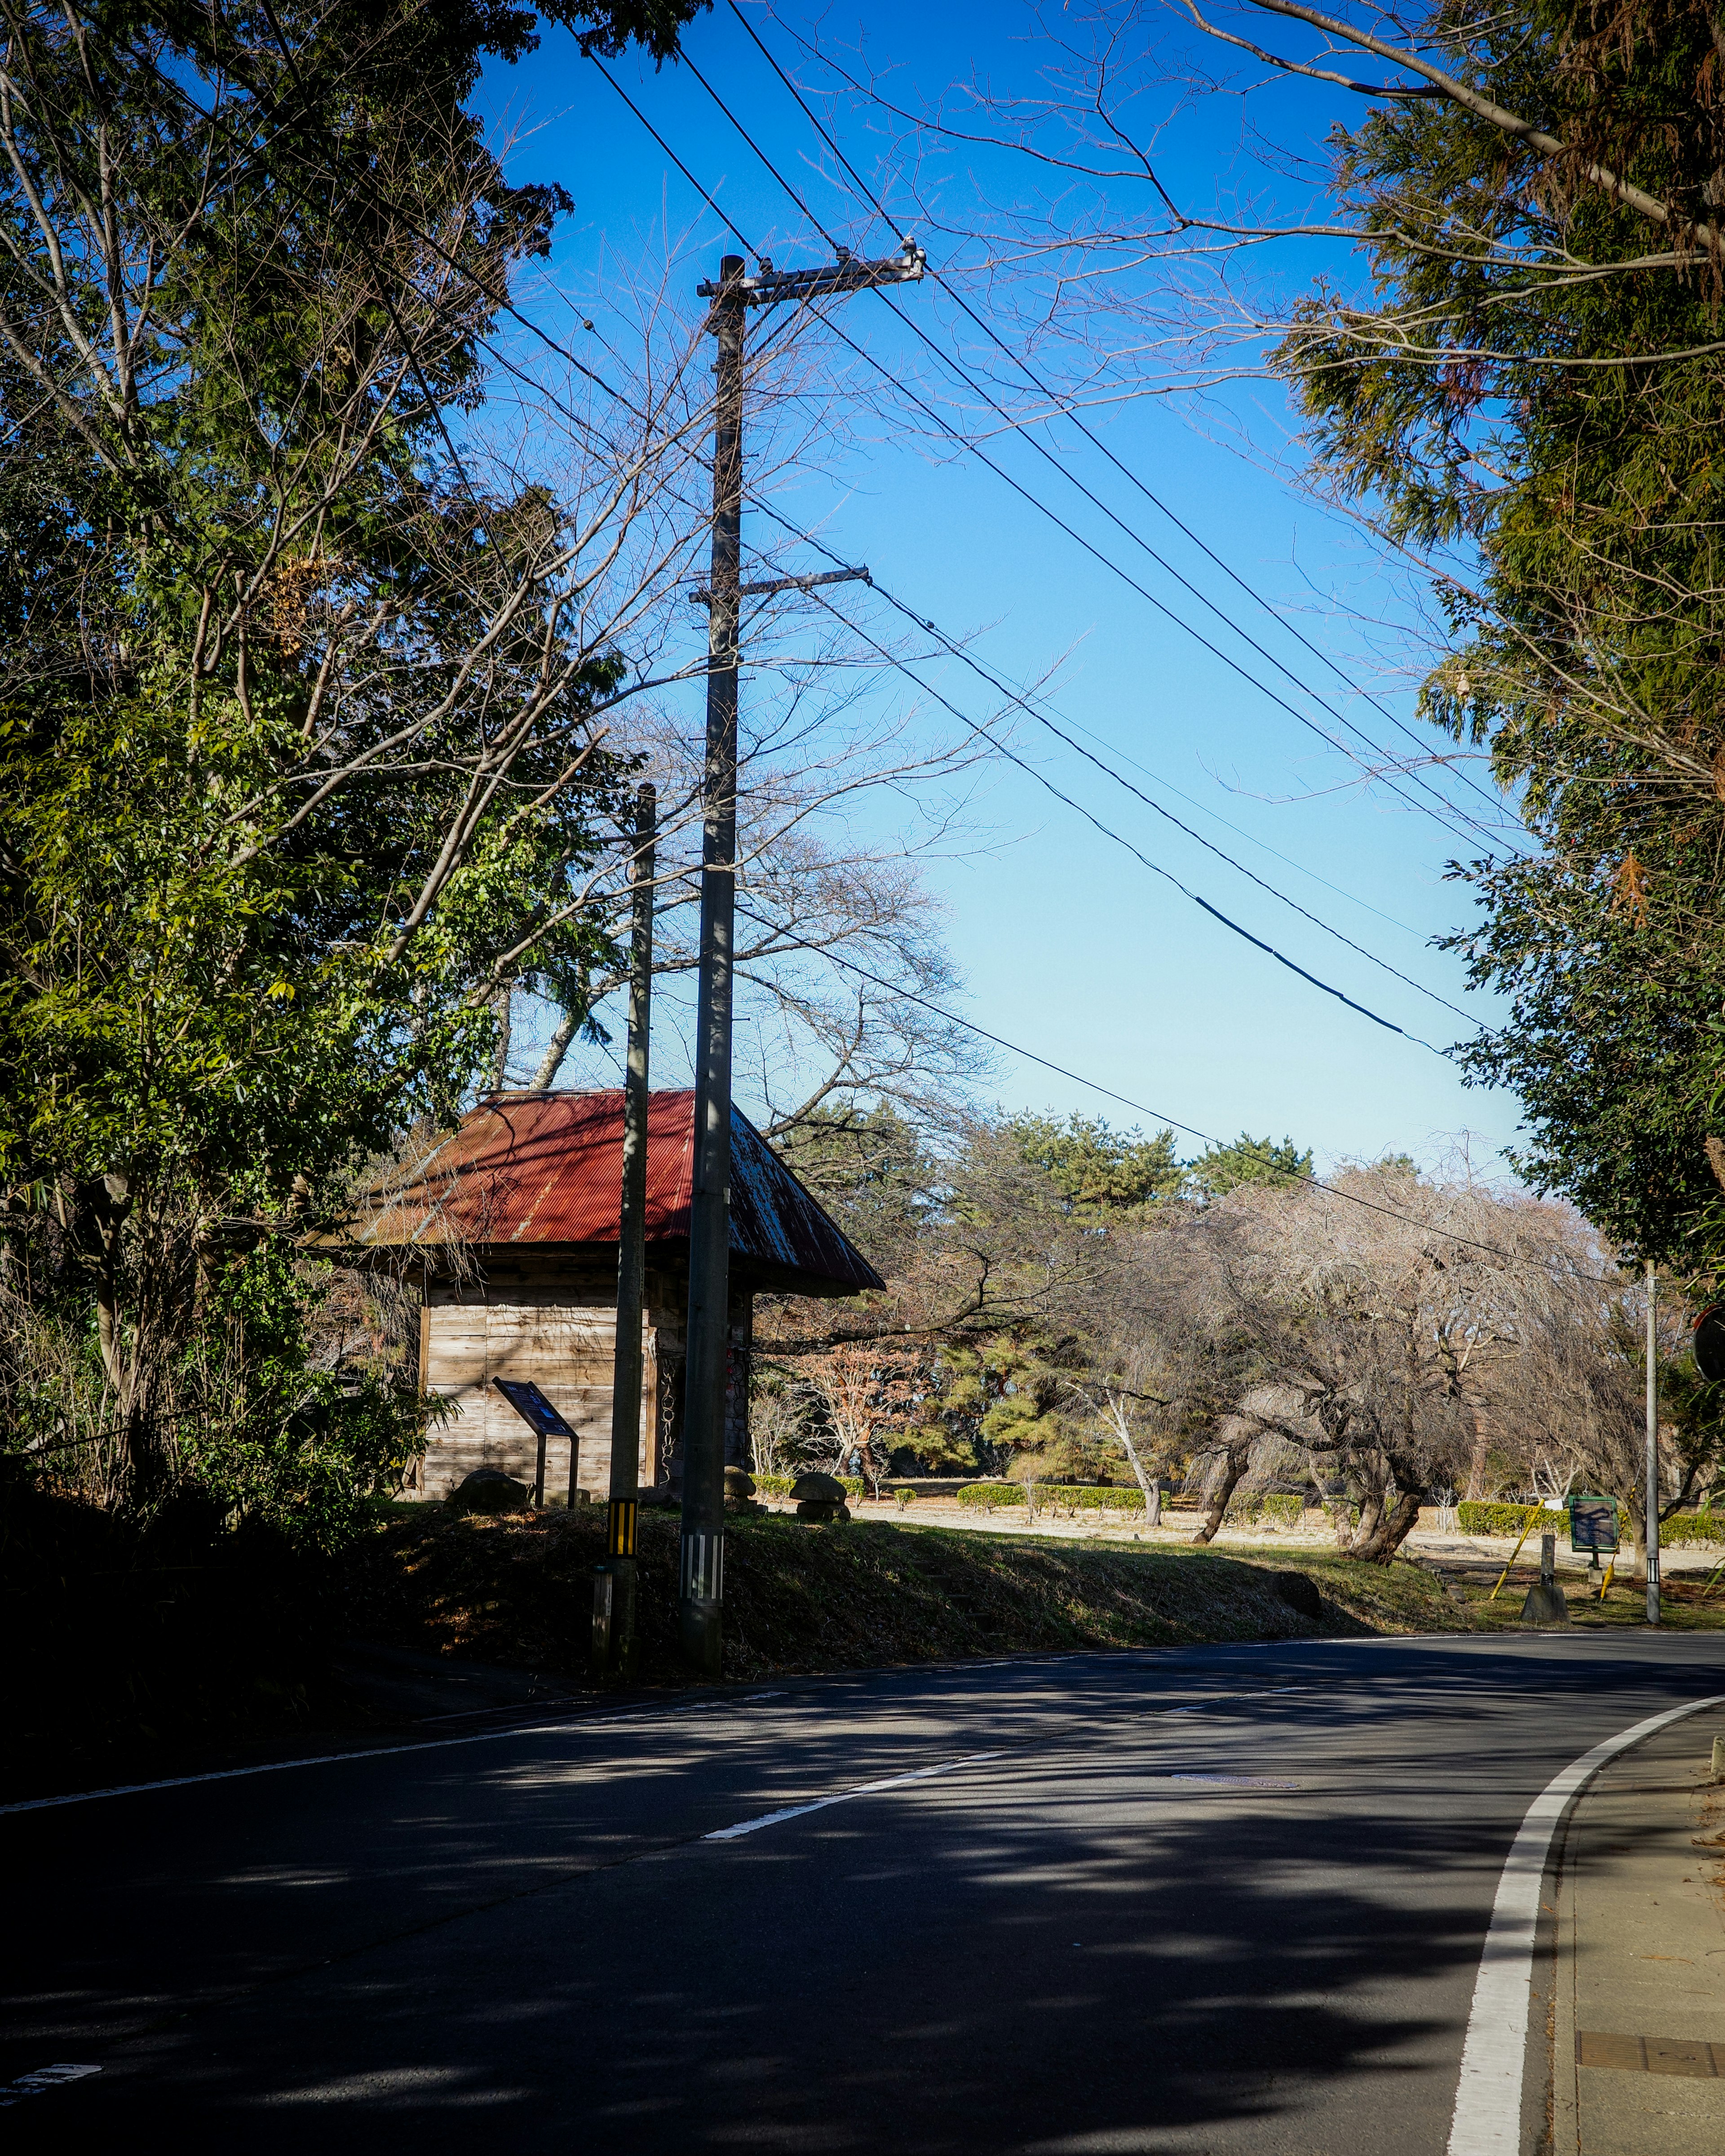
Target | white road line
(44,2079)
(1488,2100)
(1236,1781)
(642,1720)
(843,1797)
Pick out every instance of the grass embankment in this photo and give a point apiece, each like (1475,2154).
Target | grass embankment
(514,1589)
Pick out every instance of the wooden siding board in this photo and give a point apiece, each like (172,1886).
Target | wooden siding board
(566,1347)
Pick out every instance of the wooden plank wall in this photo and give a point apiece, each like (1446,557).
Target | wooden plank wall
(566,1346)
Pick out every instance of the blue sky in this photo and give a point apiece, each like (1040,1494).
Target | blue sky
(1065,943)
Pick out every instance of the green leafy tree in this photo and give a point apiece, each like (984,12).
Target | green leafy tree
(301,761)
(870,1168)
(1538,383)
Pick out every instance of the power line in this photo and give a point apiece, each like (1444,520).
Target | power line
(833,957)
(1156,1116)
(1014,697)
(1154,867)
(1447,810)
(1143,860)
(922,623)
(1064,407)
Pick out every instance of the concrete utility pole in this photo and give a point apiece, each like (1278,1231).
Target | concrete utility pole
(702,1579)
(1652,1500)
(631,1254)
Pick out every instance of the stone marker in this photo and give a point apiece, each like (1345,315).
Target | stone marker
(489,1490)
(819,1499)
(740,1491)
(1545,1607)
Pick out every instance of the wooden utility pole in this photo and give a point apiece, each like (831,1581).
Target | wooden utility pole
(624,1506)
(701,1576)
(707,1367)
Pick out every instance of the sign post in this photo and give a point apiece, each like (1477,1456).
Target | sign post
(543,1418)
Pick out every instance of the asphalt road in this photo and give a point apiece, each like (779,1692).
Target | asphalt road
(1058,1944)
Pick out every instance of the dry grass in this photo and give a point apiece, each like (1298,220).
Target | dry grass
(1686,1603)
(515,1590)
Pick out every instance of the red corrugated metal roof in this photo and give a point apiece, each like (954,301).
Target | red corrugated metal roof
(547,1167)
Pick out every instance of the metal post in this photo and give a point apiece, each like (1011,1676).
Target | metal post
(702,1571)
(625,1493)
(1651,1541)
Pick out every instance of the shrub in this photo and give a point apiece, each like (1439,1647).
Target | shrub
(1483,1519)
(985,1497)
(1269,1508)
(903,1498)
(1690,1528)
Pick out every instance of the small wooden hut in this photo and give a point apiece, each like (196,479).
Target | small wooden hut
(512,1225)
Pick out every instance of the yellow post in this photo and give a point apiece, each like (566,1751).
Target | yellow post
(1515,1553)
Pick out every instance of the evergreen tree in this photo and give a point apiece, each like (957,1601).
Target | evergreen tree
(1539,381)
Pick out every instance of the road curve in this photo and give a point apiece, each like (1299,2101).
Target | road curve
(1220,1900)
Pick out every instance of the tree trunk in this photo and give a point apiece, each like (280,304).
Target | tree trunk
(1381,1533)
(555,1049)
(1476,1461)
(111,1204)
(1634,1564)
(1151,1488)
(1234,1465)
(505,1021)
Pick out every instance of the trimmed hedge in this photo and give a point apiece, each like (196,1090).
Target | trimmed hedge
(1054,1497)
(1270,1508)
(1683,1529)
(1690,1528)
(1474,1518)
(780,1486)
(1089,1497)
(988,1496)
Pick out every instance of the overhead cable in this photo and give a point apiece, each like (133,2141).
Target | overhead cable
(1063,406)
(1445,813)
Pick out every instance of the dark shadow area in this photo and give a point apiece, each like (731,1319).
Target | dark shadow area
(1050,1951)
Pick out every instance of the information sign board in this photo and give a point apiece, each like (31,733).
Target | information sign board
(1593,1523)
(533,1408)
(543,1418)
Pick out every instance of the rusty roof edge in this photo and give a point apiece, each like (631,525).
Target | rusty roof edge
(783,1168)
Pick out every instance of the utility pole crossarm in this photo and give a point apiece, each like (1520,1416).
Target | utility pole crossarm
(700,596)
(851,272)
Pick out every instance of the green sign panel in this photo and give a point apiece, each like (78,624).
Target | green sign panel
(1593,1523)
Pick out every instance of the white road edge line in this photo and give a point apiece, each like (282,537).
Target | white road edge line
(843,1797)
(644,1719)
(39,2082)
(1488,2100)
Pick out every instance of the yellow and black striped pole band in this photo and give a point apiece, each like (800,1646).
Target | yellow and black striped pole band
(622,1522)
